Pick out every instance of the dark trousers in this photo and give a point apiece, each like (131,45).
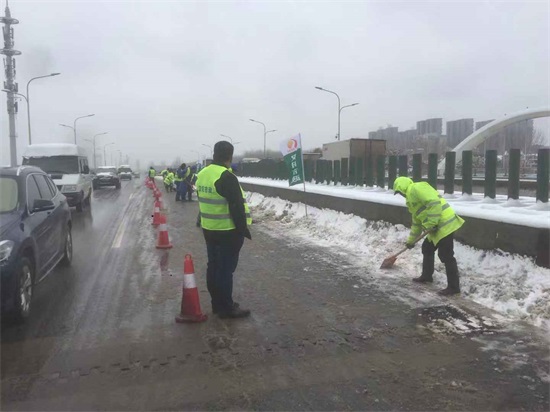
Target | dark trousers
(189,190)
(180,193)
(223,257)
(445,251)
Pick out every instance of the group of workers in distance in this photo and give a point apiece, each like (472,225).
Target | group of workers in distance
(182,180)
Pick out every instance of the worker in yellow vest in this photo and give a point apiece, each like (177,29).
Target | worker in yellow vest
(431,213)
(225,220)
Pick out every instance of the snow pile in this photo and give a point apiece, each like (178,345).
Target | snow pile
(525,211)
(510,284)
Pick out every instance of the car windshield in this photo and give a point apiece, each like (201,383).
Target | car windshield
(55,164)
(106,170)
(125,170)
(9,194)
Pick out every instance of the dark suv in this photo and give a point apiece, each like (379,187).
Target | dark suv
(106,176)
(35,234)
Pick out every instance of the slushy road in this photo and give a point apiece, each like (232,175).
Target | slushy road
(102,334)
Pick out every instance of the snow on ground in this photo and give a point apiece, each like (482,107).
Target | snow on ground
(510,284)
(525,211)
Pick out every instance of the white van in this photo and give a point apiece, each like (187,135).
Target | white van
(67,165)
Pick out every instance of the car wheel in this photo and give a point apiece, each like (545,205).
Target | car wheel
(88,200)
(24,289)
(68,248)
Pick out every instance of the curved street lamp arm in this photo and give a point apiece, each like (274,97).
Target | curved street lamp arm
(349,105)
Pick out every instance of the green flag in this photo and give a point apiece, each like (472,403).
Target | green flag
(292,152)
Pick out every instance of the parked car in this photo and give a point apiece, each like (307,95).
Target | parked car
(106,176)
(67,165)
(125,172)
(35,235)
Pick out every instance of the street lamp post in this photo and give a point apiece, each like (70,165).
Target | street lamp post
(230,138)
(66,125)
(105,153)
(95,156)
(340,108)
(28,100)
(265,134)
(74,123)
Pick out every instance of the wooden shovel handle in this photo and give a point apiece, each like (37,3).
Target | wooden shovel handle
(419,238)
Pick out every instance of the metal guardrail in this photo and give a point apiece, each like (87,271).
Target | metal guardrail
(385,169)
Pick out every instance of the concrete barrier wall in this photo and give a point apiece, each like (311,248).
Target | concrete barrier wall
(479,233)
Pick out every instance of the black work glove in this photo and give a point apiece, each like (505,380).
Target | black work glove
(409,245)
(432,229)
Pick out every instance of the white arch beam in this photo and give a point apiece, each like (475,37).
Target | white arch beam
(479,136)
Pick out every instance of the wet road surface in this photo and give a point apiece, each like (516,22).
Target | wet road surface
(102,334)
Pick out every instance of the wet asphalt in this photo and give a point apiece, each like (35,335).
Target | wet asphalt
(102,334)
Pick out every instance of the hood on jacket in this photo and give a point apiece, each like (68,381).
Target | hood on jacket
(401,185)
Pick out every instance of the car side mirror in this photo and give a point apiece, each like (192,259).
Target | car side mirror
(86,170)
(41,205)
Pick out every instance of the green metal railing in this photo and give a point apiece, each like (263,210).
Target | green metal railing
(353,171)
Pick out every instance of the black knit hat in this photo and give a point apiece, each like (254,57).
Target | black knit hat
(223,151)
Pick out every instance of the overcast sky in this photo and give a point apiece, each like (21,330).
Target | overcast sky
(163,77)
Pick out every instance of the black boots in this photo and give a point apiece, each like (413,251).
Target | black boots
(423,279)
(453,282)
(451,268)
(448,292)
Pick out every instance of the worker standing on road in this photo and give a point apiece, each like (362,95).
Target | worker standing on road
(178,178)
(225,218)
(181,174)
(189,181)
(169,180)
(152,172)
(431,213)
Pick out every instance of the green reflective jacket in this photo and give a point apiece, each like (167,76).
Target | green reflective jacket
(428,210)
(152,172)
(214,208)
(169,178)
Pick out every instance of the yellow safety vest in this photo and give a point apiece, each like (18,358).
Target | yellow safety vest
(428,210)
(214,207)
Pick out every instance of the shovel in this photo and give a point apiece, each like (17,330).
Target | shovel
(389,261)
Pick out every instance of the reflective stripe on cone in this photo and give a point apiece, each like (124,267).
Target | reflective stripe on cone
(190,303)
(163,239)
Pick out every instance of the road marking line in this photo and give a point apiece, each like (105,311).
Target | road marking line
(122,227)
(120,233)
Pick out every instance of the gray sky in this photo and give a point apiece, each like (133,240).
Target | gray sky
(164,77)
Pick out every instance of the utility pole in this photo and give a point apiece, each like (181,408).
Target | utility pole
(10,83)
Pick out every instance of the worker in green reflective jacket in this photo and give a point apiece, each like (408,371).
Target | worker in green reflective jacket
(431,213)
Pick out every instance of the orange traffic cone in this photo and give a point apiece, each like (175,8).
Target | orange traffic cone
(156,214)
(163,239)
(190,303)
(162,205)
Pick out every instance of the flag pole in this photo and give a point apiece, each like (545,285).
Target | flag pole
(303,171)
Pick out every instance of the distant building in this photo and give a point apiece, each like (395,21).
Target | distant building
(390,134)
(430,126)
(514,136)
(408,139)
(479,125)
(458,130)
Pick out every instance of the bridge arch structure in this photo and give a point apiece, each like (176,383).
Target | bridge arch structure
(479,136)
